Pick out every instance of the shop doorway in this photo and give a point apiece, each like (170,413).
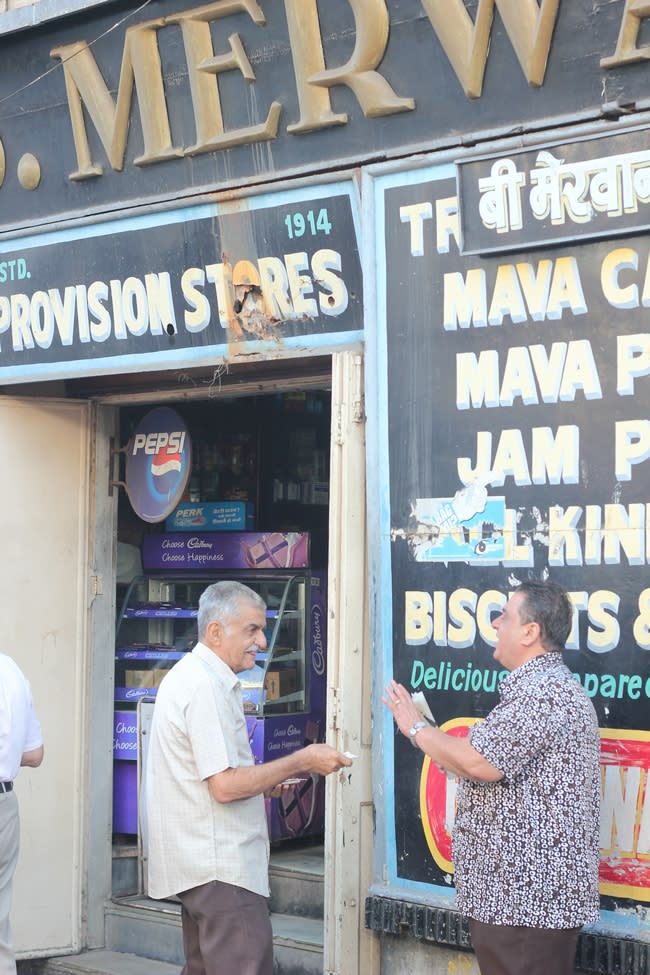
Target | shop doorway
(259,485)
(83,433)
(340,546)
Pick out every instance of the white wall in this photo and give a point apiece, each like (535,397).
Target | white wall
(43,621)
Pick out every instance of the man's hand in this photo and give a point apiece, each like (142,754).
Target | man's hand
(33,758)
(251,780)
(400,704)
(451,754)
(323,759)
(286,786)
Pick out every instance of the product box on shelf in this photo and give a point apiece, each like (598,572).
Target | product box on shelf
(138,678)
(225,550)
(141,668)
(315,492)
(280,682)
(212,516)
(144,678)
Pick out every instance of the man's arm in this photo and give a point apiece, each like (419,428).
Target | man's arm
(33,758)
(456,755)
(452,754)
(252,780)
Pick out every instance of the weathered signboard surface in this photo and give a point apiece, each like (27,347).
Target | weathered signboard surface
(183,287)
(518,447)
(138,102)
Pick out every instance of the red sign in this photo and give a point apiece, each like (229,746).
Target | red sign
(625,814)
(624,817)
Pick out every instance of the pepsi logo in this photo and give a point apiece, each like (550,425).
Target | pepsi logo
(166,460)
(158,464)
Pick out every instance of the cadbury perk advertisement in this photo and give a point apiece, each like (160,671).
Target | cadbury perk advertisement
(519,447)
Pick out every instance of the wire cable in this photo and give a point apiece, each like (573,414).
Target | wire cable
(71,56)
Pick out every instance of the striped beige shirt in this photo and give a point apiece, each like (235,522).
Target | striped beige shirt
(199,729)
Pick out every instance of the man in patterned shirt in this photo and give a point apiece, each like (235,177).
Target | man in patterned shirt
(526,838)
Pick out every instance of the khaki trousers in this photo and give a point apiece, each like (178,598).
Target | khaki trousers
(9,842)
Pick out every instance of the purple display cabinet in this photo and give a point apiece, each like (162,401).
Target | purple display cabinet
(125,772)
(300,812)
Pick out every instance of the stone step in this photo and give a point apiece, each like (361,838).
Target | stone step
(144,935)
(298,950)
(297,878)
(97,962)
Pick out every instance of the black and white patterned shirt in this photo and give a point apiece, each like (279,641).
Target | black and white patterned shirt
(526,848)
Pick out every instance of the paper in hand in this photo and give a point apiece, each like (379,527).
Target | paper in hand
(421,704)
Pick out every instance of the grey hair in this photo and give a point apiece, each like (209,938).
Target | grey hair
(222,600)
(547,604)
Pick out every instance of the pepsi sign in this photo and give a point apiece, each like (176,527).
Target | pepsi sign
(158,463)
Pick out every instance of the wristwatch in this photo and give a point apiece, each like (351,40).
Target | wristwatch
(418,726)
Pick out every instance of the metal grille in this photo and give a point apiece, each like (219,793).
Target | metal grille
(597,954)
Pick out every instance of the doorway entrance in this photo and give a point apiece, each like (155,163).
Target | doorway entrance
(259,487)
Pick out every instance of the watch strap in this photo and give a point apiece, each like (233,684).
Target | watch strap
(418,726)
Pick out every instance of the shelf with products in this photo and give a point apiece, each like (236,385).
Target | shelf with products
(298,461)
(157,626)
(294,467)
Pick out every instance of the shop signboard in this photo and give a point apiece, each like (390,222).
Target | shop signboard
(110,107)
(518,448)
(592,188)
(212,516)
(193,286)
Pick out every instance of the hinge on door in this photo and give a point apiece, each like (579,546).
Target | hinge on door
(338,431)
(334,711)
(114,467)
(358,412)
(96,586)
(355,401)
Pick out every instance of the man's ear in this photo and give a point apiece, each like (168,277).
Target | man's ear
(214,632)
(532,633)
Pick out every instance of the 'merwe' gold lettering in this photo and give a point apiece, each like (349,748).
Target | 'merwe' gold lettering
(142,69)
(626,50)
(529,24)
(466,42)
(204,67)
(84,84)
(372,91)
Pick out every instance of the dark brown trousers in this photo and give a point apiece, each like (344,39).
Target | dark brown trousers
(510,950)
(226,930)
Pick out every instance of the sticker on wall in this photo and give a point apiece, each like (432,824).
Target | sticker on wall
(158,463)
(466,528)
